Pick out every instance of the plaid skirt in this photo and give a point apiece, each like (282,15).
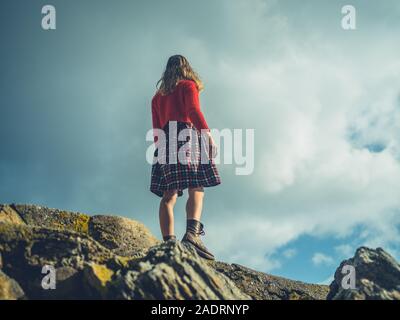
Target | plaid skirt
(182,160)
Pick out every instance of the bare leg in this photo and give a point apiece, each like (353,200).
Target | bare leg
(166,212)
(194,204)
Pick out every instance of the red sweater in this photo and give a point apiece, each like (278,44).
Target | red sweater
(180,105)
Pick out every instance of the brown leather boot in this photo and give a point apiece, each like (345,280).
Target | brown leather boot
(194,229)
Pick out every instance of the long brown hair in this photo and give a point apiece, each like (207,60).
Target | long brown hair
(178,68)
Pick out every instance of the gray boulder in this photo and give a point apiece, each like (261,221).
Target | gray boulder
(173,271)
(377,277)
(122,236)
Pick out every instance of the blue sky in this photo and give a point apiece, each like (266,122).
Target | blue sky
(324,104)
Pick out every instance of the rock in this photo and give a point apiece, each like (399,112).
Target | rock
(9,288)
(261,286)
(377,276)
(85,269)
(53,218)
(122,236)
(68,282)
(9,215)
(25,250)
(173,271)
(110,257)
(102,257)
(98,277)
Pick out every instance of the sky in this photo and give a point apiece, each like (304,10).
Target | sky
(324,104)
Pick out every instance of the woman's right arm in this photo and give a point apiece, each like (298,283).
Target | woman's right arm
(192,103)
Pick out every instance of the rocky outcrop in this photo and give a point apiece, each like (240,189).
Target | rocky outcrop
(376,275)
(9,288)
(110,257)
(122,236)
(99,257)
(262,286)
(26,250)
(173,271)
(9,215)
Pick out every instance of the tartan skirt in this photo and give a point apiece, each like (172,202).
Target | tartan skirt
(182,160)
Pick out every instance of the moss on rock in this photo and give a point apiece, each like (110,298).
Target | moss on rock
(37,216)
(81,223)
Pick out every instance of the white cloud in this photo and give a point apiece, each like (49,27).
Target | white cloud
(289,253)
(345,250)
(310,177)
(252,242)
(321,259)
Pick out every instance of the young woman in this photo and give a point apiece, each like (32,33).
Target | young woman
(175,106)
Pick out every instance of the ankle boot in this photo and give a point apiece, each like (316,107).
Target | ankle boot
(194,229)
(170,237)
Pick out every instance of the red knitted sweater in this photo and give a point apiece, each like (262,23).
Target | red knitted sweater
(181,105)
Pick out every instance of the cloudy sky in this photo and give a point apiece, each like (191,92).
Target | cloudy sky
(324,103)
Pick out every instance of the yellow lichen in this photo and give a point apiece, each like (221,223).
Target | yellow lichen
(81,223)
(123,261)
(102,273)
